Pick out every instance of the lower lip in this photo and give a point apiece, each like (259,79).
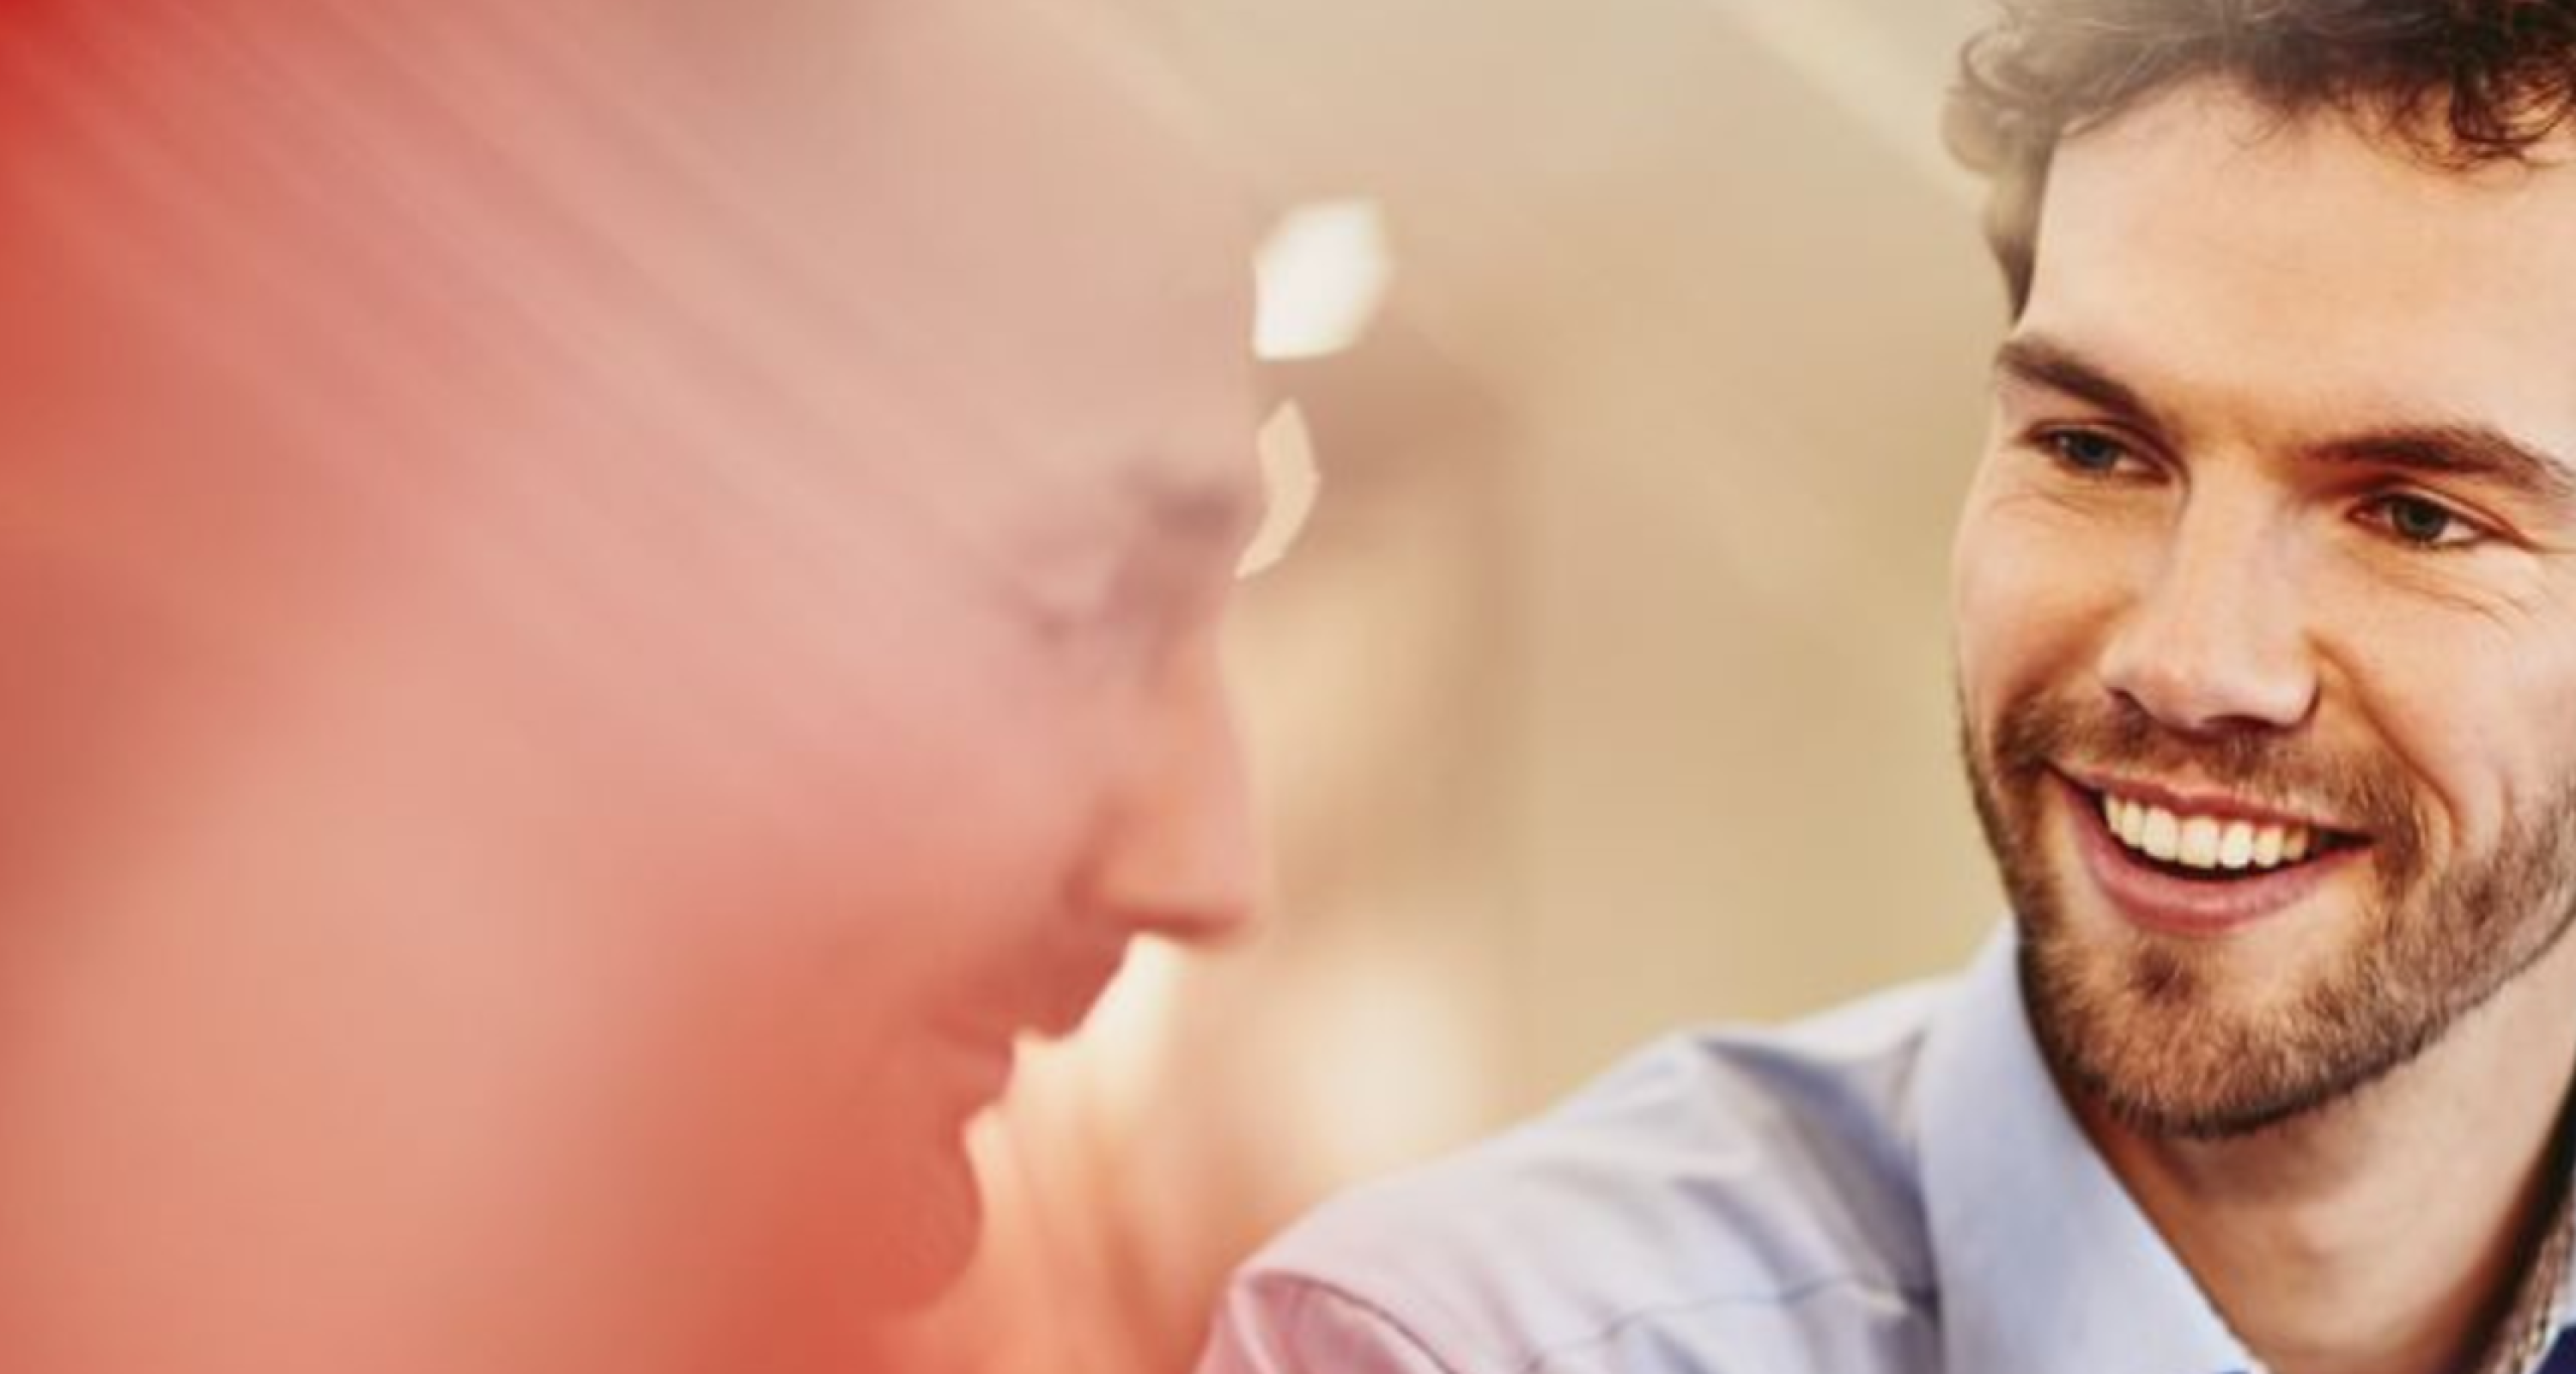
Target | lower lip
(2166,905)
(976,1071)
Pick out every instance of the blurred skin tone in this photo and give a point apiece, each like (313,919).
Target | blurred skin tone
(604,604)
(2276,522)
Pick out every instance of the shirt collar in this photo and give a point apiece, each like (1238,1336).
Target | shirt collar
(2562,1299)
(2044,1263)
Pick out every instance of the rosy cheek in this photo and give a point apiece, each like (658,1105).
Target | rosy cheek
(2463,745)
(2471,706)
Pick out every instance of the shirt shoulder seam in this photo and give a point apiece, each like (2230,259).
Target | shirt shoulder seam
(1313,1285)
(1789,1295)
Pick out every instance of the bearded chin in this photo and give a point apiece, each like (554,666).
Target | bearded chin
(2161,1033)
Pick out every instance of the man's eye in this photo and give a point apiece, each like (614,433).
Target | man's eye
(2420,521)
(2085,450)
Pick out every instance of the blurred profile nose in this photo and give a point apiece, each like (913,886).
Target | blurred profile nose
(2213,640)
(1179,857)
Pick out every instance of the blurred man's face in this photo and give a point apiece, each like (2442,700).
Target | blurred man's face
(581,667)
(2266,607)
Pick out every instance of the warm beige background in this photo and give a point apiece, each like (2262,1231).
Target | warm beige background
(1608,691)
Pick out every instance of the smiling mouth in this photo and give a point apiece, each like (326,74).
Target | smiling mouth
(2212,847)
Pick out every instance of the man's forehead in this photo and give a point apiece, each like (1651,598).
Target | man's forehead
(2256,168)
(1064,282)
(984,148)
(993,290)
(2202,238)
(1040,309)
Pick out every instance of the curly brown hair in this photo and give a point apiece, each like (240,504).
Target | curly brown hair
(2457,82)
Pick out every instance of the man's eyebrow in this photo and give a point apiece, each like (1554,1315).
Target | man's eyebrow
(2037,360)
(2454,449)
(2473,451)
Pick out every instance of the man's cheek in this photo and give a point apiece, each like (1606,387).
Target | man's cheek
(2029,620)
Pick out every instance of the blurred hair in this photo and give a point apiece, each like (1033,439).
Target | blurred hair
(2458,83)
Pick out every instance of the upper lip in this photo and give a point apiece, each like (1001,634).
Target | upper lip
(964,1024)
(2192,803)
(1051,1009)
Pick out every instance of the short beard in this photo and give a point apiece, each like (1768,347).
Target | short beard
(2131,1021)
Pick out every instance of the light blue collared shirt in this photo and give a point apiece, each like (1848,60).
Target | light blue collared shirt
(1893,1186)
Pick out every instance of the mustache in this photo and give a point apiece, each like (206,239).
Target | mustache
(2365,793)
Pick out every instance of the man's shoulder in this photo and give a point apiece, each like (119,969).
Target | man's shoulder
(1743,1187)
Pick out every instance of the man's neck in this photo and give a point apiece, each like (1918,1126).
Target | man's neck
(2384,1234)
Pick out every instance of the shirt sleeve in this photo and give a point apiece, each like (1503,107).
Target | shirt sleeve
(1277,1324)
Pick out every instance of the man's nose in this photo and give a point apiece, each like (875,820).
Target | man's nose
(1178,855)
(2213,639)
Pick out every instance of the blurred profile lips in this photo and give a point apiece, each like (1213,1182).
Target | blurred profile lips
(1046,997)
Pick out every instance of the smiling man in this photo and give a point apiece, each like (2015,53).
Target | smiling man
(603,602)
(2265,600)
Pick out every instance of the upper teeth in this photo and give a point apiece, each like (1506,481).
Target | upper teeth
(2205,842)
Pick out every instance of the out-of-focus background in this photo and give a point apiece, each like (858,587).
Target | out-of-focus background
(1607,690)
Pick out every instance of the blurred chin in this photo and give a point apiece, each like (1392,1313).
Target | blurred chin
(929,1220)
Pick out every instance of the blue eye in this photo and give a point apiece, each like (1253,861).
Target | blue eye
(2085,450)
(2421,521)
